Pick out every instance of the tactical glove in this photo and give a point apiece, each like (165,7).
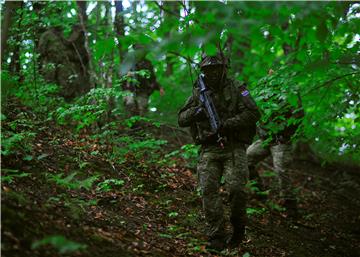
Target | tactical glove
(199,114)
(226,124)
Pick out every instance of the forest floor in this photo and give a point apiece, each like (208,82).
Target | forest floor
(67,199)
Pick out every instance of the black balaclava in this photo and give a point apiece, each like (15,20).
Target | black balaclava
(214,75)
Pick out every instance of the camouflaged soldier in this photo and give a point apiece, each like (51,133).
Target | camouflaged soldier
(239,114)
(279,146)
(65,61)
(136,103)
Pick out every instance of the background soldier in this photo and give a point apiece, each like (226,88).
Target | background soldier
(278,145)
(142,86)
(239,115)
(65,61)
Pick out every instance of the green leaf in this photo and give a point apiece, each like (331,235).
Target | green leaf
(62,244)
(28,158)
(42,156)
(165,235)
(210,49)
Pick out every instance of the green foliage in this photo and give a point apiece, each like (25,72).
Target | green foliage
(42,97)
(275,207)
(252,185)
(188,152)
(60,243)
(109,184)
(173,214)
(17,136)
(255,211)
(130,122)
(140,148)
(76,206)
(268,174)
(8,86)
(71,182)
(8,175)
(15,143)
(312,47)
(16,197)
(89,108)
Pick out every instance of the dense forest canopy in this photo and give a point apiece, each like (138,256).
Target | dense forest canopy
(313,47)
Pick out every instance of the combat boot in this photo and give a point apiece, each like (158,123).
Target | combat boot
(291,208)
(238,235)
(216,243)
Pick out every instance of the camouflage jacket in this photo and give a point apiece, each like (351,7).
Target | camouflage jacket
(236,109)
(145,85)
(281,125)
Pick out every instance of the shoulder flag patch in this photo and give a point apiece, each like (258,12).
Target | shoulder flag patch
(245,93)
(247,99)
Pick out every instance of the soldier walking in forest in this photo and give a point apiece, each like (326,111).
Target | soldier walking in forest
(141,87)
(278,145)
(222,118)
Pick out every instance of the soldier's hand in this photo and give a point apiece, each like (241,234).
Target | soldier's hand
(200,113)
(226,124)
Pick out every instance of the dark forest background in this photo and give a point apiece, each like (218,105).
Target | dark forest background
(68,144)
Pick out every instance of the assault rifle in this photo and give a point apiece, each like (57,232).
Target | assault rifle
(210,110)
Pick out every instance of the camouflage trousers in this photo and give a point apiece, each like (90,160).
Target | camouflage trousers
(282,159)
(230,164)
(136,104)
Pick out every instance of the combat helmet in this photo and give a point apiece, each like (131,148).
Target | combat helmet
(218,59)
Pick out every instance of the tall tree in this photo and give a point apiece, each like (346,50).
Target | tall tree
(9,17)
(15,65)
(119,24)
(171,13)
(83,23)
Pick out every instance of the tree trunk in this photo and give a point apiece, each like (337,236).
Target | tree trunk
(119,26)
(98,19)
(10,14)
(83,20)
(107,70)
(15,60)
(82,12)
(173,8)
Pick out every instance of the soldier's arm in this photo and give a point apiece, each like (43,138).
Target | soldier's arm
(248,113)
(245,118)
(187,113)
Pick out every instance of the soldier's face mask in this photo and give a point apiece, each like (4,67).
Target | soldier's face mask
(213,74)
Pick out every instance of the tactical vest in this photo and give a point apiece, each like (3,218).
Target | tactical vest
(227,103)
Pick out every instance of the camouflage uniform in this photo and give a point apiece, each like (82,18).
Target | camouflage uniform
(239,115)
(279,146)
(282,158)
(136,103)
(64,61)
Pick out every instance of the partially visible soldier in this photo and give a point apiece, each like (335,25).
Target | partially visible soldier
(137,102)
(278,145)
(64,62)
(239,114)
